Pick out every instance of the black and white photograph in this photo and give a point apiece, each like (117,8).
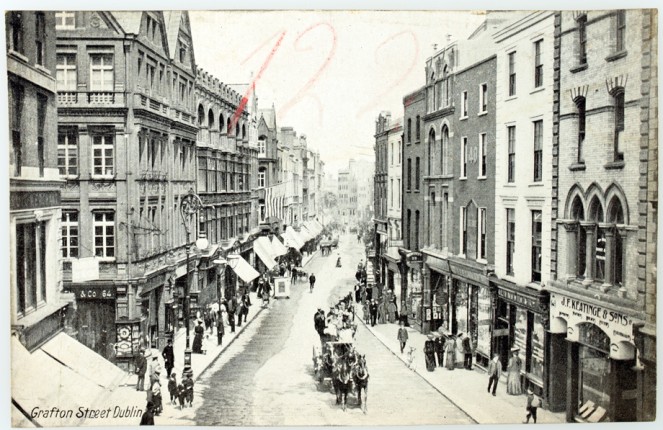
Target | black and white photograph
(289,217)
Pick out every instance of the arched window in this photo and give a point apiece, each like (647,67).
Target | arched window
(201,115)
(578,214)
(222,123)
(599,251)
(445,151)
(409,130)
(210,119)
(418,128)
(229,129)
(616,242)
(243,131)
(431,151)
(618,95)
(262,144)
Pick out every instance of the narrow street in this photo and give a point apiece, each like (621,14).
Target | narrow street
(266,376)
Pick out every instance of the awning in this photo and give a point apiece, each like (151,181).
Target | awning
(278,246)
(305,233)
(318,224)
(83,361)
(264,250)
(242,268)
(39,381)
(313,227)
(292,239)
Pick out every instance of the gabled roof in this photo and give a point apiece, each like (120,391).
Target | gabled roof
(129,20)
(172,19)
(270,117)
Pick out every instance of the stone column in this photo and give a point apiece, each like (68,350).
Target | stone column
(590,246)
(609,256)
(571,228)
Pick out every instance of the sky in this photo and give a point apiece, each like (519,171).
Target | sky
(329,73)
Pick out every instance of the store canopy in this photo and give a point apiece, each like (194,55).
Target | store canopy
(265,251)
(392,254)
(292,238)
(40,381)
(305,234)
(278,246)
(83,361)
(313,228)
(242,268)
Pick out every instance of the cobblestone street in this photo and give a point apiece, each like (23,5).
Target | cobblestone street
(266,376)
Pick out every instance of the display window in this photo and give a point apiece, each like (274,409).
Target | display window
(536,363)
(483,321)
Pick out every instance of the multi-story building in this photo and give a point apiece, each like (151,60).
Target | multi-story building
(523,191)
(226,163)
(380,199)
(602,335)
(267,159)
(413,206)
(363,171)
(126,148)
(37,301)
(460,188)
(347,197)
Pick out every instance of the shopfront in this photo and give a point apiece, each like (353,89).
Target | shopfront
(593,349)
(520,321)
(94,317)
(392,274)
(414,296)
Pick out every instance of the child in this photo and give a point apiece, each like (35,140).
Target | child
(402,335)
(172,388)
(181,395)
(533,403)
(188,385)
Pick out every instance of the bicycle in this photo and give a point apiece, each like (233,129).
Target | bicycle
(409,359)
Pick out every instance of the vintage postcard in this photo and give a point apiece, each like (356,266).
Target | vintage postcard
(291,217)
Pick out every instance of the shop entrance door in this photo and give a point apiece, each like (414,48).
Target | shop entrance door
(504,330)
(95,323)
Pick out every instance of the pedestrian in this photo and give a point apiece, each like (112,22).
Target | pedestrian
(198,338)
(439,349)
(220,331)
(148,416)
(429,353)
(513,385)
(140,366)
(266,292)
(208,322)
(232,307)
(533,403)
(246,303)
(188,385)
(293,275)
(374,312)
(450,351)
(311,281)
(467,351)
(155,371)
(172,388)
(168,357)
(391,312)
(494,372)
(402,336)
(156,396)
(357,293)
(382,311)
(181,395)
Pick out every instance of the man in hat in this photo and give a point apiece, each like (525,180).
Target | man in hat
(374,312)
(168,357)
(494,372)
(467,352)
(140,366)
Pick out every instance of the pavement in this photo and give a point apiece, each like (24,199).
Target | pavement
(467,389)
(126,395)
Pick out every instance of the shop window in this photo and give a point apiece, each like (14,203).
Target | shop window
(30,265)
(594,367)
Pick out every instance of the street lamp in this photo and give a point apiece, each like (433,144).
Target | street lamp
(221,263)
(189,206)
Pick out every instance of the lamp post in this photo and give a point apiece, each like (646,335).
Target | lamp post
(221,264)
(189,206)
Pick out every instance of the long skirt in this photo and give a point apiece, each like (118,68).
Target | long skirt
(198,344)
(450,360)
(430,361)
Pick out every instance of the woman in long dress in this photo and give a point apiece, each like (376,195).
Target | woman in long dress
(513,385)
(198,338)
(450,350)
(429,353)
(391,310)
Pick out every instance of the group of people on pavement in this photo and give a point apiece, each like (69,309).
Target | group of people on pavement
(447,349)
(147,364)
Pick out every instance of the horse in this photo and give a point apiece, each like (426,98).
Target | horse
(360,377)
(342,380)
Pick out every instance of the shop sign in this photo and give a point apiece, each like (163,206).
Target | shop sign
(434,313)
(94,293)
(574,311)
(519,299)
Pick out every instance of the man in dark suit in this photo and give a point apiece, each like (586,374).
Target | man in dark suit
(168,357)
(232,308)
(467,351)
(373,309)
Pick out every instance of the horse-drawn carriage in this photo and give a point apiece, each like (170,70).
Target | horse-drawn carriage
(339,364)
